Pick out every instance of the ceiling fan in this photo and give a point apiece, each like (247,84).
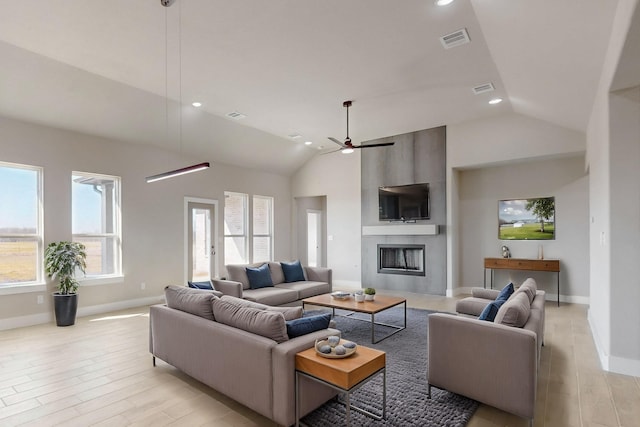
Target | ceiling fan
(347,147)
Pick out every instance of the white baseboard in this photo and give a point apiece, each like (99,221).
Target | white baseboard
(465,290)
(572,299)
(42,318)
(22,321)
(119,305)
(618,365)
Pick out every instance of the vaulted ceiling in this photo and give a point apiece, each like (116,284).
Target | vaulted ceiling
(129,70)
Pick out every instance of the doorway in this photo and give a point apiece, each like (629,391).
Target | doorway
(201,236)
(314,238)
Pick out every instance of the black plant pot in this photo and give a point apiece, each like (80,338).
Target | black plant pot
(65,307)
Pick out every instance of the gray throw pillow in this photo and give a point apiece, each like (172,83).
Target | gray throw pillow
(290,313)
(514,312)
(193,301)
(529,288)
(269,324)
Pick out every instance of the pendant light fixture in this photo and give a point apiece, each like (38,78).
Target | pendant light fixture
(192,168)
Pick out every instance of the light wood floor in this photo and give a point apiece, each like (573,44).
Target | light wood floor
(99,372)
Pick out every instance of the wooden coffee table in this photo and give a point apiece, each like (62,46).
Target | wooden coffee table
(381,303)
(344,375)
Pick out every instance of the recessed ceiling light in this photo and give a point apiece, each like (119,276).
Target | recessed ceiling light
(197,104)
(308,143)
(495,101)
(443,2)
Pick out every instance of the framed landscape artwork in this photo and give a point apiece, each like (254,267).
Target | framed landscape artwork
(527,219)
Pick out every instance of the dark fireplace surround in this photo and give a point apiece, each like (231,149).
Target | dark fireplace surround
(403,259)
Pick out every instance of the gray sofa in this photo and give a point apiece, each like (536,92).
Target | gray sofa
(255,370)
(318,281)
(495,363)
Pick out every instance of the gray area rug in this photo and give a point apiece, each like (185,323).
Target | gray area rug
(407,402)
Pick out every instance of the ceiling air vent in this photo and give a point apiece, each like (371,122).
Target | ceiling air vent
(235,115)
(487,87)
(455,39)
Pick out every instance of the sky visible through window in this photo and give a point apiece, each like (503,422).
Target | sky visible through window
(18,198)
(87,209)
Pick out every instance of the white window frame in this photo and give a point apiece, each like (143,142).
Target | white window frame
(117,275)
(245,219)
(37,285)
(269,234)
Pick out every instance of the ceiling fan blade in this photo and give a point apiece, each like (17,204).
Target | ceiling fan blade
(337,142)
(383,144)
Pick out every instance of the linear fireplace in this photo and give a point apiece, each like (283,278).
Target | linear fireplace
(401,259)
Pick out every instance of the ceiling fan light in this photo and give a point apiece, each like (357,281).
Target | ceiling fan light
(347,150)
(443,2)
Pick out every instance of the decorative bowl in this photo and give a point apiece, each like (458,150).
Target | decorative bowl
(340,295)
(333,355)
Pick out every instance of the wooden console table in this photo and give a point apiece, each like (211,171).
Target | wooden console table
(552,265)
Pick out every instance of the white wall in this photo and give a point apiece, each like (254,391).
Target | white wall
(613,157)
(479,192)
(336,176)
(501,140)
(152,214)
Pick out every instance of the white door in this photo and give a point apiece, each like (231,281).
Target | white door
(200,239)
(314,238)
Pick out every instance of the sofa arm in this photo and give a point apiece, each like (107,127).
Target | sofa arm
(228,287)
(319,274)
(491,363)
(490,294)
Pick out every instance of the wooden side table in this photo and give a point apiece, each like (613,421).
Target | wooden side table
(343,375)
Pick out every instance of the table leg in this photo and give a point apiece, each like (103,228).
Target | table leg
(348,411)
(373,324)
(384,393)
(558,289)
(405,314)
(484,277)
(297,401)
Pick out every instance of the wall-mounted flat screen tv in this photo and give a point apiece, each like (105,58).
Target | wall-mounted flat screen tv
(403,202)
(527,219)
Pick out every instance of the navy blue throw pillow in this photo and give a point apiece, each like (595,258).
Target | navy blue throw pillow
(292,271)
(259,277)
(490,311)
(506,292)
(306,325)
(201,285)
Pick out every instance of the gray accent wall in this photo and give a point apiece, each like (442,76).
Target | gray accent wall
(417,157)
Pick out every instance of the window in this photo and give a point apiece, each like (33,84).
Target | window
(262,228)
(236,228)
(95,216)
(21,237)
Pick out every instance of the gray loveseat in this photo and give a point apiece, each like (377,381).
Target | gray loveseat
(255,370)
(318,281)
(495,363)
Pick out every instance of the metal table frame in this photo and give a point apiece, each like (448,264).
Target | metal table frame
(347,393)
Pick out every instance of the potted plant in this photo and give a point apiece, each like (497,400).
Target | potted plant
(369,294)
(359,295)
(61,261)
